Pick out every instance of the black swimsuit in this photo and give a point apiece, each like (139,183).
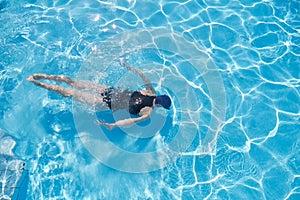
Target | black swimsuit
(117,99)
(138,101)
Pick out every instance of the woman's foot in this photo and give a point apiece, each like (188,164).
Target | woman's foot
(39,76)
(30,78)
(36,77)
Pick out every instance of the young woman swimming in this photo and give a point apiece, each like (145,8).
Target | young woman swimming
(140,103)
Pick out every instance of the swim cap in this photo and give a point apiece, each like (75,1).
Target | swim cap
(164,101)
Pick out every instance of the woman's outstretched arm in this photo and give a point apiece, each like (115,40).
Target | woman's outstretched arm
(146,112)
(145,79)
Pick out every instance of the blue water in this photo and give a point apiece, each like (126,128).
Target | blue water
(231,67)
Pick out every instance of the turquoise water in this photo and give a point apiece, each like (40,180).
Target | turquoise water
(231,68)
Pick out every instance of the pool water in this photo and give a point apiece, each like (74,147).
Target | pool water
(232,69)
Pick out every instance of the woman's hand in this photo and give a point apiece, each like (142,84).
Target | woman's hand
(105,124)
(125,64)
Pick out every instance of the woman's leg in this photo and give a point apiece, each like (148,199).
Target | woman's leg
(83,97)
(81,85)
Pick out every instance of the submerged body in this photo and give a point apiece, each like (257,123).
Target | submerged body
(132,101)
(140,103)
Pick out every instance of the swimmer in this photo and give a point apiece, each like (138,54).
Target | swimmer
(139,103)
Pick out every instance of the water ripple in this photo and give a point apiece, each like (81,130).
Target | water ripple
(255,47)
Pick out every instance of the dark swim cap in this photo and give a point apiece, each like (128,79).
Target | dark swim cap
(164,101)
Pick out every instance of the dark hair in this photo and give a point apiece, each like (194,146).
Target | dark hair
(164,101)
